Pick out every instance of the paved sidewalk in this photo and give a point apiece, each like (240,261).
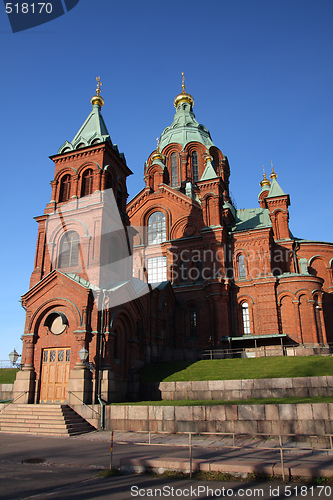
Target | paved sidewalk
(133,453)
(217,453)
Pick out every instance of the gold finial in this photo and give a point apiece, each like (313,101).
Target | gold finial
(184,96)
(157,155)
(99,83)
(273,174)
(208,156)
(265,181)
(98,99)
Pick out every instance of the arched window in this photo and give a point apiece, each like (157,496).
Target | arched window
(69,250)
(156,228)
(193,322)
(87,182)
(214,164)
(246,318)
(65,188)
(195,169)
(241,266)
(119,197)
(174,170)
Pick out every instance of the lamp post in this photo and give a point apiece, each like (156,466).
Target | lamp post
(13,357)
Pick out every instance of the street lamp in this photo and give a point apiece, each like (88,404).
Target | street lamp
(13,357)
(83,354)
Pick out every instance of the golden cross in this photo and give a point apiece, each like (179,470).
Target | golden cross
(183,84)
(99,83)
(158,142)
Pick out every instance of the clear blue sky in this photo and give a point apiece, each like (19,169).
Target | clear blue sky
(260,72)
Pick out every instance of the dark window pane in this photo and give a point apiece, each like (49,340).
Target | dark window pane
(195,166)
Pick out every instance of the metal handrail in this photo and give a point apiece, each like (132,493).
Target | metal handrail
(209,353)
(85,404)
(280,446)
(12,400)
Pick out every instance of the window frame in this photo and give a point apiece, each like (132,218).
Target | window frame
(174,169)
(65,188)
(157,269)
(246,321)
(73,254)
(156,230)
(242,274)
(87,185)
(195,167)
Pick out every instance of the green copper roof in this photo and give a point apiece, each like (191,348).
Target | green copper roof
(275,190)
(209,172)
(185,129)
(251,218)
(93,131)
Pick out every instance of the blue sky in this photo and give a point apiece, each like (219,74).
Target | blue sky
(261,75)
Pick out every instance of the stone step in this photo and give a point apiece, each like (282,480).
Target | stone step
(38,416)
(39,419)
(43,423)
(44,433)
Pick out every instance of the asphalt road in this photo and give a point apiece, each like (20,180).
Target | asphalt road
(68,469)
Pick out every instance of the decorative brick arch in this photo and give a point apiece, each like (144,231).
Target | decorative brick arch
(304,291)
(242,299)
(55,303)
(122,326)
(307,318)
(289,315)
(88,164)
(237,254)
(150,211)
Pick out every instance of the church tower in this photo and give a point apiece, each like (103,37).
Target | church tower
(184,209)
(84,330)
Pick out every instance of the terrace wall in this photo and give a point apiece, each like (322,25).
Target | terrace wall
(229,390)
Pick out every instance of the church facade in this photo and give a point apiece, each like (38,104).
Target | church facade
(176,270)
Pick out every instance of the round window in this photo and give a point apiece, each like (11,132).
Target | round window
(56,323)
(57,326)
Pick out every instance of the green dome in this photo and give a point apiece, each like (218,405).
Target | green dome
(185,129)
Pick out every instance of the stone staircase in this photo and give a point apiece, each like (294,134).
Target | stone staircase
(43,419)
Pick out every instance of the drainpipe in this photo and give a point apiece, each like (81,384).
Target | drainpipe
(99,381)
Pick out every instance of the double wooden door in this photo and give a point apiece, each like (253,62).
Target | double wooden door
(55,373)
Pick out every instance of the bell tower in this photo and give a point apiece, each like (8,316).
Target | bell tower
(89,185)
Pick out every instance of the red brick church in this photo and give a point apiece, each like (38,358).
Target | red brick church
(175,271)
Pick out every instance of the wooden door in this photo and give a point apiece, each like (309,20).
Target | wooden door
(55,373)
